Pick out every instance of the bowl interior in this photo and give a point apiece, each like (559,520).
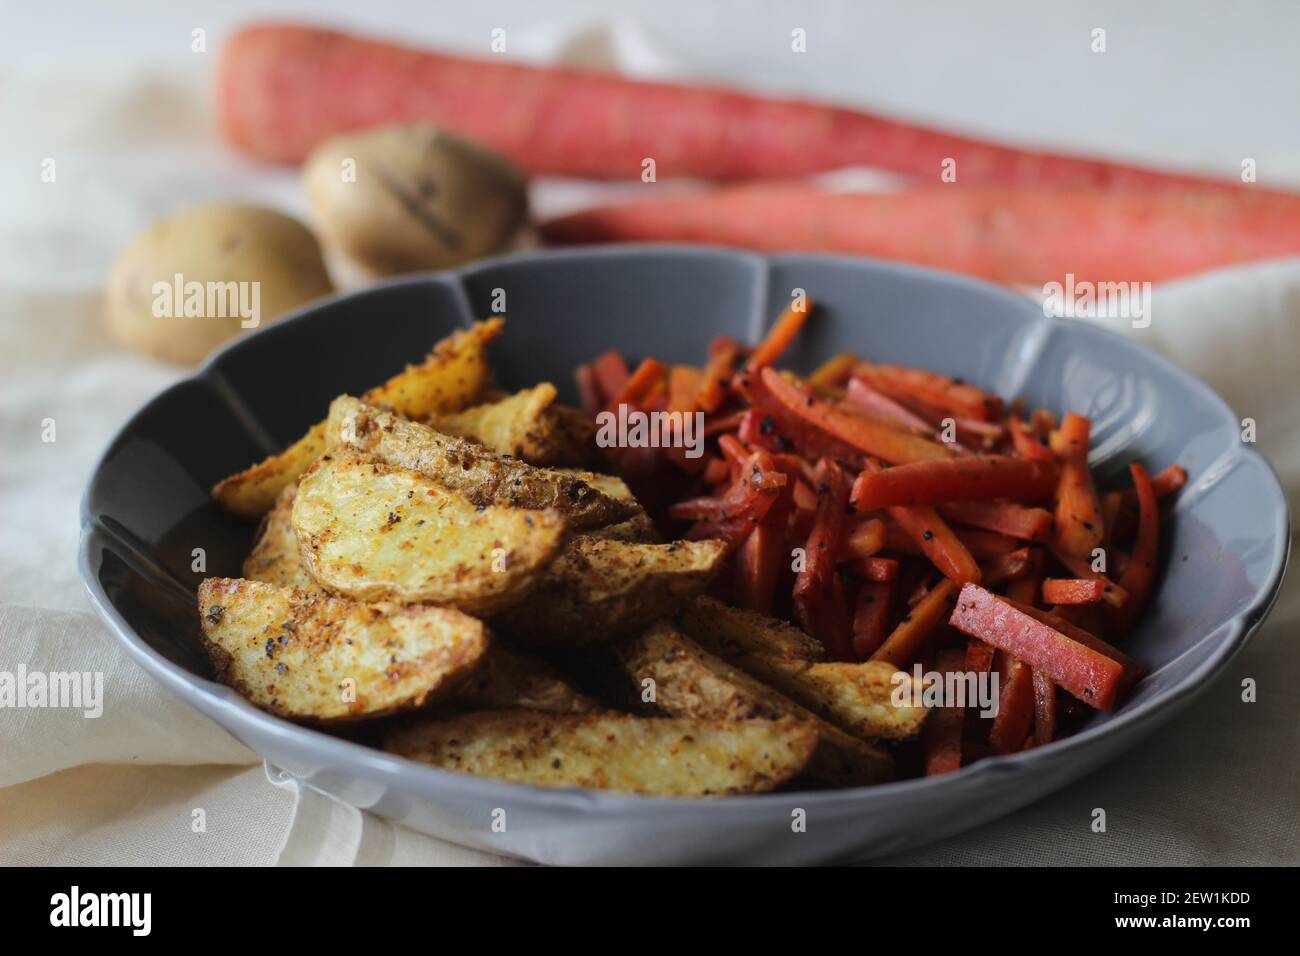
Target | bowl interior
(156,533)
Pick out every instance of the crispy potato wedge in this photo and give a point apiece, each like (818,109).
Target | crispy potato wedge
(639,527)
(509,679)
(483,476)
(308,656)
(688,681)
(527,425)
(275,558)
(599,590)
(375,532)
(450,377)
(857,698)
(656,757)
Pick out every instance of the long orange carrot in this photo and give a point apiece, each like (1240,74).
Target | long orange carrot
(906,642)
(1020,236)
(1079,526)
(779,336)
(955,479)
(283,88)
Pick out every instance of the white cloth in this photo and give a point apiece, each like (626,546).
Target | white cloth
(151,781)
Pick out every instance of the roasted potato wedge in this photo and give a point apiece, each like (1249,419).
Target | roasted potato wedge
(275,558)
(308,656)
(855,697)
(599,590)
(509,679)
(688,681)
(483,476)
(374,532)
(656,757)
(527,425)
(449,378)
(639,527)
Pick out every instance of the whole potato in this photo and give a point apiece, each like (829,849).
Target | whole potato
(194,280)
(407,198)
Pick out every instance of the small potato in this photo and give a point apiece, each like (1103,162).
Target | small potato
(378,533)
(308,656)
(197,279)
(409,198)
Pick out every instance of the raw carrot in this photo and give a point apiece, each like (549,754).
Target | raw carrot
(941,737)
(1003,517)
(1078,529)
(779,336)
(871,617)
(1041,234)
(907,641)
(889,444)
(282,89)
(1072,590)
(954,479)
(1015,706)
(1090,676)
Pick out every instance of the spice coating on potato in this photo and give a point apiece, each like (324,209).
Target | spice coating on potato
(600,590)
(526,425)
(375,532)
(308,656)
(655,757)
(509,679)
(197,279)
(688,681)
(275,558)
(483,476)
(412,197)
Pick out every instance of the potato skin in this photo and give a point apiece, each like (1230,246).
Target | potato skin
(420,198)
(600,590)
(688,681)
(374,532)
(220,242)
(527,425)
(289,651)
(654,757)
(509,679)
(483,476)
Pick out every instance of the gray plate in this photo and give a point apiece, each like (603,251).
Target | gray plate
(147,507)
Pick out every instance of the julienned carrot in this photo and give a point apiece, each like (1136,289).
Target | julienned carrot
(713,383)
(1088,675)
(878,403)
(937,542)
(683,388)
(611,375)
(937,391)
(863,540)
(733,518)
(282,89)
(648,375)
(954,479)
(588,392)
(874,568)
(1072,590)
(779,336)
(761,558)
(941,737)
(1112,593)
(1132,669)
(886,443)
(1078,529)
(979,657)
(1003,517)
(1042,234)
(769,425)
(1015,707)
(906,642)
(1002,568)
(834,371)
(1140,572)
(1027,444)
(813,583)
(871,617)
(1044,709)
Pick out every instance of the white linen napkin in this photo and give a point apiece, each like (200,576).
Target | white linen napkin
(151,781)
